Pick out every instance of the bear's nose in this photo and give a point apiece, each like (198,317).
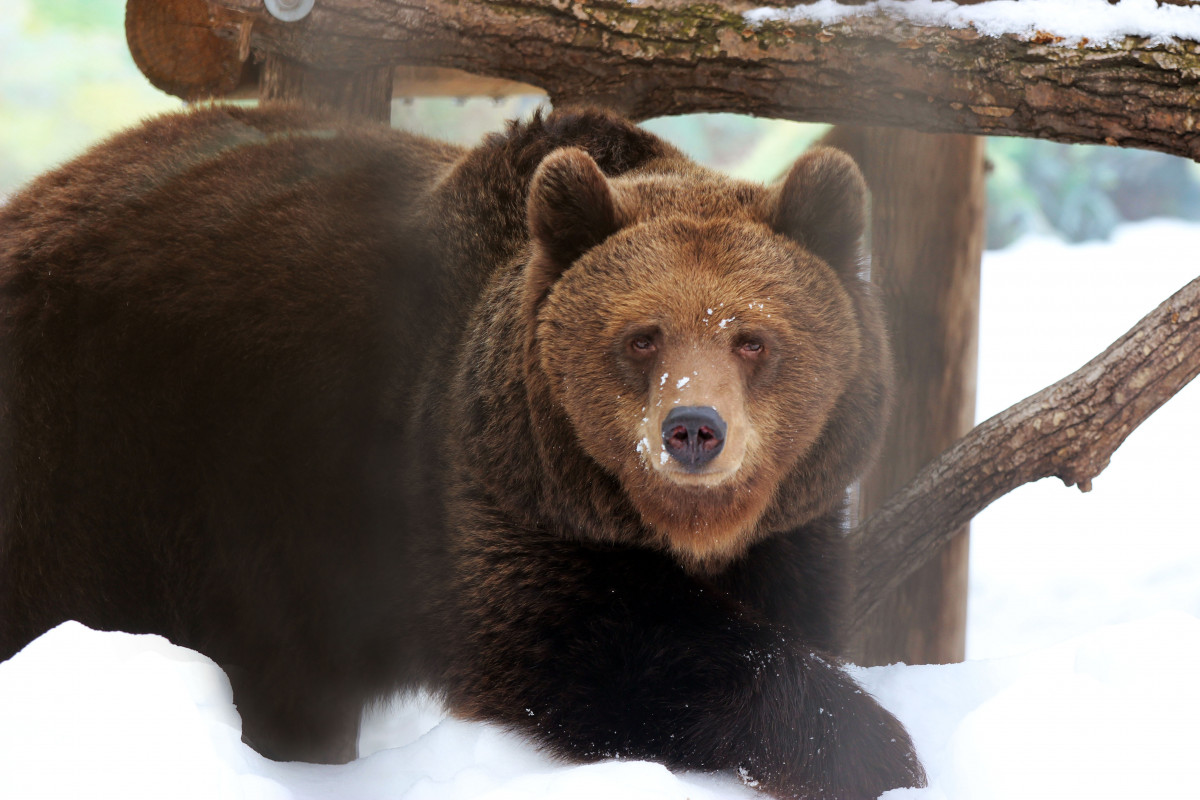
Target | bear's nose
(693,435)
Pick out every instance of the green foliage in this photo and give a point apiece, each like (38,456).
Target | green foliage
(66,81)
(1081,192)
(746,147)
(79,15)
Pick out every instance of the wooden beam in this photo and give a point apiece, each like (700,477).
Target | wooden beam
(660,57)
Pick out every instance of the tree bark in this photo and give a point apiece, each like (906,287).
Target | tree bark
(1068,430)
(365,93)
(927,215)
(661,57)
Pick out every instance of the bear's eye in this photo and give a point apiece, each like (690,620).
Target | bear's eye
(642,344)
(751,348)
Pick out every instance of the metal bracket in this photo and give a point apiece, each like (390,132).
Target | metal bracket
(289,10)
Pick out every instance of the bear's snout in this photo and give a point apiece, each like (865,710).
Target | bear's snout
(693,435)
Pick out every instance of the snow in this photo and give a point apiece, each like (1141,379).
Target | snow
(109,715)
(1130,547)
(1083,627)
(113,715)
(1111,714)
(1098,21)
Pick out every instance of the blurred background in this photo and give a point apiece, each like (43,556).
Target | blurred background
(1082,242)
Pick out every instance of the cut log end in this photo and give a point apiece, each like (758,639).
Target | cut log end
(175,45)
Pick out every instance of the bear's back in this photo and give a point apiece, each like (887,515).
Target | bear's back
(175,338)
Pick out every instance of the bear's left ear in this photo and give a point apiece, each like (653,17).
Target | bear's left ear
(822,205)
(570,210)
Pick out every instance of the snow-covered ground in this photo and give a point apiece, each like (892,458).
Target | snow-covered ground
(1048,562)
(1059,703)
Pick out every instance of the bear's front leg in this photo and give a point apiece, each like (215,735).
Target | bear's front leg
(297,716)
(606,653)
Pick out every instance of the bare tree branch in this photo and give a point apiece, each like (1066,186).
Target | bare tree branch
(1068,430)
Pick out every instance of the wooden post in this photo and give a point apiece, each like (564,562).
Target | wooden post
(927,238)
(359,94)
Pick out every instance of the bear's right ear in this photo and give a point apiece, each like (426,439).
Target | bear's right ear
(570,210)
(821,204)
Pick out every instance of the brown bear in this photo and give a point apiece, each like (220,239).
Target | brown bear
(559,426)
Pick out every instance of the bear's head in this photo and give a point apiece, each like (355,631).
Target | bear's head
(709,343)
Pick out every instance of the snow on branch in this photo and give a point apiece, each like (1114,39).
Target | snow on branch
(1068,430)
(1067,70)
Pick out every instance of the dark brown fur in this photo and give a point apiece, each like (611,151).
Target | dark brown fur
(351,411)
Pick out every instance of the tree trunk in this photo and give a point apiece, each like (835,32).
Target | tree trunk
(365,93)
(927,202)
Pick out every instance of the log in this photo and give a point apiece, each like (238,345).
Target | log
(660,57)
(174,45)
(1068,430)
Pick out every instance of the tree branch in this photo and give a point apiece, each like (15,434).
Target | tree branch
(660,57)
(1068,430)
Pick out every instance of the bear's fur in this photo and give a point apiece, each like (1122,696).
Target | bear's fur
(350,410)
